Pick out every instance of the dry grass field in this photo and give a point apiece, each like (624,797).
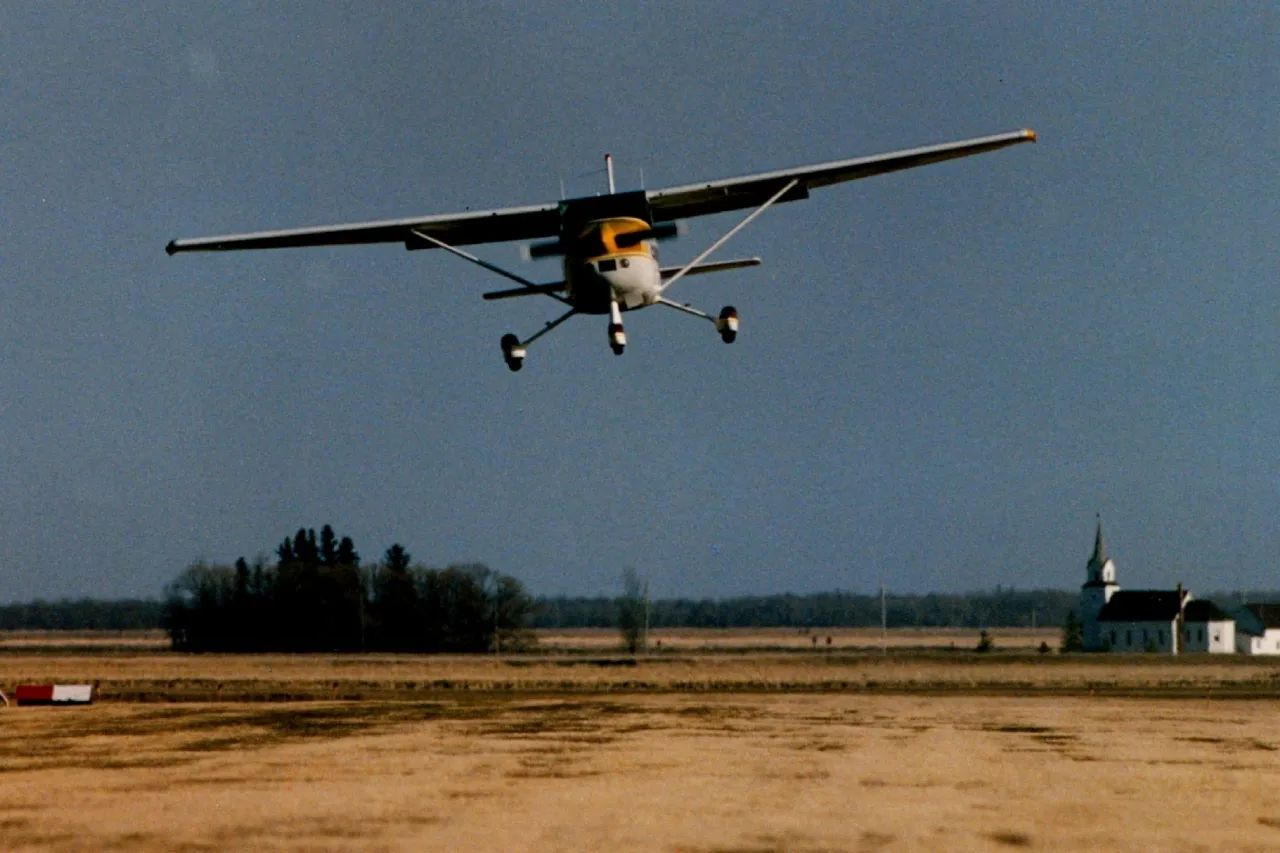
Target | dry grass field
(704,748)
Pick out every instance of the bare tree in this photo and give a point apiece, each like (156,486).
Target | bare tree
(633,607)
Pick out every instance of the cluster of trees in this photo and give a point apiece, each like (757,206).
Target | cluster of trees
(83,614)
(318,597)
(999,608)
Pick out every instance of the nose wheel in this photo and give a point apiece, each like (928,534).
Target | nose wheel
(617,336)
(727,324)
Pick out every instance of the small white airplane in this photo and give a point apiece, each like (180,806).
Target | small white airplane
(608,242)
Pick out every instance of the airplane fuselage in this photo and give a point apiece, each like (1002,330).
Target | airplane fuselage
(599,270)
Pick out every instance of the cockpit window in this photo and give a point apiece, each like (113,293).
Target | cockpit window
(608,265)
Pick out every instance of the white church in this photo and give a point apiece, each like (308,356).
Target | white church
(1167,621)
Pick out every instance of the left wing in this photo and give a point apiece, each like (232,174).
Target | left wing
(456,229)
(709,197)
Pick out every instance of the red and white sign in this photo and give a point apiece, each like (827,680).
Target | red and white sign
(54,694)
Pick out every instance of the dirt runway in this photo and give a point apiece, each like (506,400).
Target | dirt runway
(748,773)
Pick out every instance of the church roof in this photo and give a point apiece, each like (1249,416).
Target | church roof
(1267,614)
(1141,605)
(1204,610)
(1099,557)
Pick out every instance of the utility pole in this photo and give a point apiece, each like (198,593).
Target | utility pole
(497,607)
(884,623)
(646,615)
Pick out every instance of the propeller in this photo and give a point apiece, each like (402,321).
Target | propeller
(660,231)
(553,248)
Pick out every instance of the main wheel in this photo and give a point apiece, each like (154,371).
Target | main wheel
(727,325)
(512,352)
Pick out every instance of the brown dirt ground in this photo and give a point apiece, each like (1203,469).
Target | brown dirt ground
(675,772)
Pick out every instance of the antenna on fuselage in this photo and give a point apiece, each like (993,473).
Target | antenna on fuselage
(608,167)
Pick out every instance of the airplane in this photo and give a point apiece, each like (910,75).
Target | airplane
(608,243)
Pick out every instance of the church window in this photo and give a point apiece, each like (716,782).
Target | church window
(1113,637)
(1160,637)
(1200,636)
(1128,638)
(1144,635)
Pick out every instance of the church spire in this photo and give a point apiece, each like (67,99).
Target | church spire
(1099,557)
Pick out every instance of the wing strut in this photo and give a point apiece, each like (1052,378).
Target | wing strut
(467,256)
(734,230)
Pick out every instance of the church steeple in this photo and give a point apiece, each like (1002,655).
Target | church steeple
(1097,591)
(1101,568)
(1099,557)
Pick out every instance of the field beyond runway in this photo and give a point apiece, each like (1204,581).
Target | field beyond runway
(141,669)
(748,742)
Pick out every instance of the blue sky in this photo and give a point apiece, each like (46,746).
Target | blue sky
(943,374)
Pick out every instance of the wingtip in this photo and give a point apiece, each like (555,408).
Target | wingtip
(171,248)
(1030,135)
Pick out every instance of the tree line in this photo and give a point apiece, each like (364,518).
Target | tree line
(317,596)
(84,614)
(1000,608)
(394,595)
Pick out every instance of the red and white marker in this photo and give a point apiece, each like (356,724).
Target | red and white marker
(54,694)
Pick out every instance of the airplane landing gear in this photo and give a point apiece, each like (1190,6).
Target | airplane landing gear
(512,352)
(513,349)
(617,337)
(727,324)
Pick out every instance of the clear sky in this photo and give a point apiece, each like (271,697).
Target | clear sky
(943,374)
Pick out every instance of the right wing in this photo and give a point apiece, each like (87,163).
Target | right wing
(709,197)
(456,229)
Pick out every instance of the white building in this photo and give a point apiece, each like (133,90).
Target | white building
(1141,620)
(1258,629)
(1158,620)
(1207,628)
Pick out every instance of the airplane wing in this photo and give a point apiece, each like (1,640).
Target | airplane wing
(456,229)
(539,221)
(709,197)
